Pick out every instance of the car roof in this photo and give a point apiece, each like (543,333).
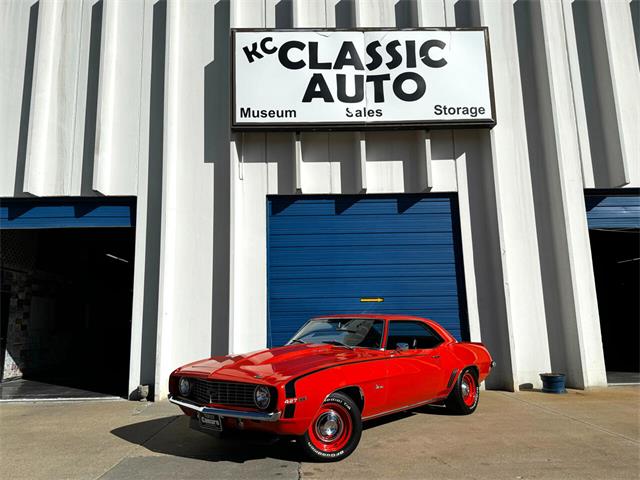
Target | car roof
(390,316)
(377,316)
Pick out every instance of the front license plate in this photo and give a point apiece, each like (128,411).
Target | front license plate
(212,422)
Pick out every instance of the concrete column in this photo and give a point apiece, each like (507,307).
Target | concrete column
(522,283)
(195,164)
(50,156)
(602,75)
(18,24)
(583,347)
(144,314)
(625,77)
(249,187)
(554,151)
(119,100)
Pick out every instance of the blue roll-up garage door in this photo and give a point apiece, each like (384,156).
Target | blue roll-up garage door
(327,253)
(68,212)
(619,210)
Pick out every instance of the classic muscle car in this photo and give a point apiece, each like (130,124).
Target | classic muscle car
(334,373)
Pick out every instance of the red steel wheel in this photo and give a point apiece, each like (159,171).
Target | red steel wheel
(331,428)
(335,430)
(469,389)
(463,398)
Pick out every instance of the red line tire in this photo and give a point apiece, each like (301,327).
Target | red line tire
(334,432)
(463,399)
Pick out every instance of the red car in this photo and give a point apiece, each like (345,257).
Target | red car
(334,373)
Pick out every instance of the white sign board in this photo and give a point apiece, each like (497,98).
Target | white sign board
(336,79)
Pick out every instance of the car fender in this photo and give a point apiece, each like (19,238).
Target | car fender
(311,390)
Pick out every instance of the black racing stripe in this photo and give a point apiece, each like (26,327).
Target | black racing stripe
(291,384)
(452,377)
(290,389)
(289,410)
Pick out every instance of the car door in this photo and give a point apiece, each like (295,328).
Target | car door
(414,371)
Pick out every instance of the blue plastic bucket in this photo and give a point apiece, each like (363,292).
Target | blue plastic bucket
(553,382)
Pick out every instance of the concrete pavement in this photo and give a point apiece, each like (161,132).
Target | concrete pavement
(526,435)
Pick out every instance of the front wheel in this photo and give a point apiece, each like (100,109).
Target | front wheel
(463,399)
(334,432)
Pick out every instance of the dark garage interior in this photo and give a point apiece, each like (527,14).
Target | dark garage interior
(66,310)
(616,264)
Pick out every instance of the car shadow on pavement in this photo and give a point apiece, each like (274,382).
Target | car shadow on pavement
(172,436)
(426,410)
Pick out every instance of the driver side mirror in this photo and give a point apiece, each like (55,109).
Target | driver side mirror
(401,346)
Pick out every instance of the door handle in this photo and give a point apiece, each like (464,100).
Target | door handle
(435,356)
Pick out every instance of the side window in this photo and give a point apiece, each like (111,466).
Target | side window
(415,334)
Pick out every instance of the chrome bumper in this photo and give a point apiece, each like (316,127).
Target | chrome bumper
(223,412)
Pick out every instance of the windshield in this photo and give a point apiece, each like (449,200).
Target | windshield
(350,332)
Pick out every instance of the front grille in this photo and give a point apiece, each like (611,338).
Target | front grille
(222,393)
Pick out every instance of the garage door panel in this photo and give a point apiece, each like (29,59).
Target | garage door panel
(364,224)
(613,211)
(370,254)
(373,206)
(389,271)
(355,287)
(361,238)
(326,253)
(437,306)
(67,212)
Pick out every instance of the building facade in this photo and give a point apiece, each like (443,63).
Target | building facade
(116,117)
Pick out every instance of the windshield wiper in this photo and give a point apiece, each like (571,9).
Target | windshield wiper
(297,340)
(340,344)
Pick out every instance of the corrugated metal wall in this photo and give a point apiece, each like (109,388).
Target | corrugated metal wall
(76,81)
(111,97)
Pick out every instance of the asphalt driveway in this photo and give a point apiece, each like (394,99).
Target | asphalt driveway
(526,435)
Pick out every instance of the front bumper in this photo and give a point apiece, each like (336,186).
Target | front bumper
(223,412)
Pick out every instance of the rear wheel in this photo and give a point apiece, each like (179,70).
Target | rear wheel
(463,399)
(334,432)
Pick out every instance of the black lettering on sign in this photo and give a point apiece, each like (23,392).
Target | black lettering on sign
(410,47)
(246,112)
(358,96)
(376,58)
(473,112)
(314,64)
(378,86)
(348,55)
(265,49)
(362,112)
(283,55)
(253,52)
(425,52)
(402,94)
(396,58)
(317,88)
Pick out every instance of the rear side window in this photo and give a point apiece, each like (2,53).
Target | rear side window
(415,334)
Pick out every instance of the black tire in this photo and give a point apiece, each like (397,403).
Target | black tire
(463,399)
(340,413)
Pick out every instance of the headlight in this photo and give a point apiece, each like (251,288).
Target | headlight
(262,397)
(184,386)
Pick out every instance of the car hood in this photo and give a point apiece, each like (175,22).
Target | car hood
(276,365)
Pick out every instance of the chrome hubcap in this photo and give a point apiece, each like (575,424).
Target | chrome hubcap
(465,389)
(329,426)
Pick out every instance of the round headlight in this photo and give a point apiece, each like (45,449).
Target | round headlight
(184,385)
(262,396)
